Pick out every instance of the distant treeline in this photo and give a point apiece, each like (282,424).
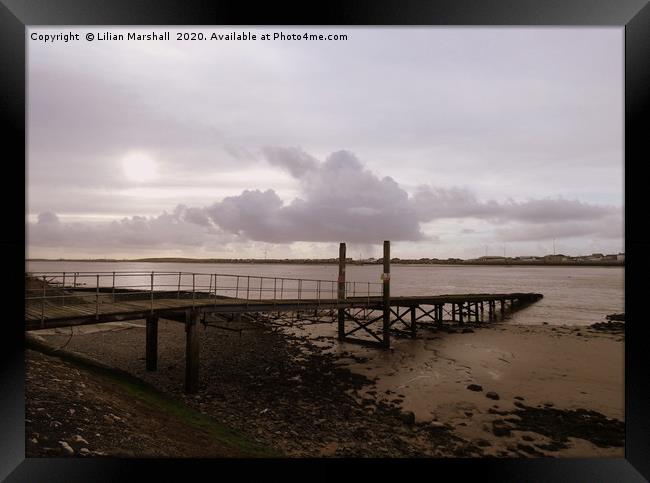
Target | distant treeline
(349,261)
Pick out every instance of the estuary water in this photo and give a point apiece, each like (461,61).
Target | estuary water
(572,295)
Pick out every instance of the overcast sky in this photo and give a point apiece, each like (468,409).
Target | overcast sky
(450,142)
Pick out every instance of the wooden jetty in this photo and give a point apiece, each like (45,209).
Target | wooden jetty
(65,299)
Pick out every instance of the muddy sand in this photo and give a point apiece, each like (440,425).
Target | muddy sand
(500,390)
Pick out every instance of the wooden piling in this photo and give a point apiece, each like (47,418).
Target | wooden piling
(453,312)
(460,313)
(482,311)
(414,329)
(503,309)
(341,291)
(151,344)
(386,293)
(476,311)
(191,351)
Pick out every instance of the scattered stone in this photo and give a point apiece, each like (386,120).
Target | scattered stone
(492,395)
(84,452)
(468,331)
(475,387)
(408,417)
(67,448)
(525,437)
(79,439)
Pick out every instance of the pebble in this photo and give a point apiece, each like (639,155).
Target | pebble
(79,439)
(492,395)
(66,447)
(475,387)
(84,451)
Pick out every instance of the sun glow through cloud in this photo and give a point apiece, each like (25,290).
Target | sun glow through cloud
(139,167)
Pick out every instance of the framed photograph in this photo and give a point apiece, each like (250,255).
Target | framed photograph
(376,235)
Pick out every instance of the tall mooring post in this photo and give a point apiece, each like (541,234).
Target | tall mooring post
(341,291)
(386,292)
(191,351)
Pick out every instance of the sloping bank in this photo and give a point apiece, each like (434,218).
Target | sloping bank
(78,406)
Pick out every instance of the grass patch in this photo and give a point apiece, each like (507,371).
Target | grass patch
(163,402)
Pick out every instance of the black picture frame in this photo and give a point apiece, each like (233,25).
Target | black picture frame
(632,15)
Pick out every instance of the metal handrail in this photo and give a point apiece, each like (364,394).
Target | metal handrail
(54,287)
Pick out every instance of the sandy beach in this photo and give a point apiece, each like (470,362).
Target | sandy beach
(499,390)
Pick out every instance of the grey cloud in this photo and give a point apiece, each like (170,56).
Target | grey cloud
(47,217)
(165,230)
(293,159)
(436,203)
(340,200)
(608,227)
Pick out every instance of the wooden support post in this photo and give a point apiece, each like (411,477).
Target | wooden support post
(191,351)
(482,317)
(151,344)
(440,316)
(341,291)
(414,329)
(503,309)
(453,312)
(460,313)
(386,294)
(476,311)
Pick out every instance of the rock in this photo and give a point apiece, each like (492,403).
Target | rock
(34,440)
(492,395)
(468,331)
(519,398)
(408,417)
(525,437)
(519,405)
(500,431)
(84,452)
(436,424)
(107,418)
(67,448)
(79,439)
(475,387)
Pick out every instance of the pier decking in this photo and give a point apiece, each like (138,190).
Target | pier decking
(64,299)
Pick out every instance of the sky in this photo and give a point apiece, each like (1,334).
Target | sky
(450,142)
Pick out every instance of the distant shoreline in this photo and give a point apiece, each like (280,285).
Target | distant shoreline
(333,261)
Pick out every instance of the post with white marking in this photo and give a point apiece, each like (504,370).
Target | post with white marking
(341,291)
(386,278)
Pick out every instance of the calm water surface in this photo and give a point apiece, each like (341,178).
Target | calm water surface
(572,295)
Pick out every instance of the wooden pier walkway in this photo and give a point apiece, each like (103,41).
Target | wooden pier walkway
(64,299)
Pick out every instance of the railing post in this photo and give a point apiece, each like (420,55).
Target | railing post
(237,287)
(152,292)
(193,288)
(97,298)
(179,285)
(43,304)
(275,288)
(341,292)
(113,290)
(63,290)
(386,294)
(74,282)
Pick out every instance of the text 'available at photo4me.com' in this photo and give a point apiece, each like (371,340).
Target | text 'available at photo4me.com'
(167,35)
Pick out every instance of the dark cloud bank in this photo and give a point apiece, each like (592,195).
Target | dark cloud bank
(340,200)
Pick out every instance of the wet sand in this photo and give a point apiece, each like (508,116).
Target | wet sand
(502,390)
